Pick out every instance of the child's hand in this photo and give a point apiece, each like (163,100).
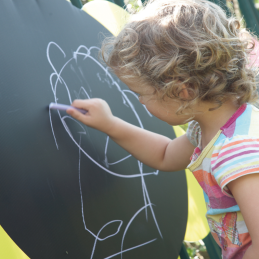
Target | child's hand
(152,149)
(98,116)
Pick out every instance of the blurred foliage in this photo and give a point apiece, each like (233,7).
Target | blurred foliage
(196,250)
(85,1)
(133,6)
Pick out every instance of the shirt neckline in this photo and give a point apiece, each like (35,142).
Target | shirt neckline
(230,121)
(233,118)
(206,149)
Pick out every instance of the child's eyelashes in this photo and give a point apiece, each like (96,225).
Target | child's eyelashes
(137,94)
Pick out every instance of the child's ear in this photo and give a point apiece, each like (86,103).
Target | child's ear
(184,93)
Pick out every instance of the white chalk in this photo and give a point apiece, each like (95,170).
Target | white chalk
(64,107)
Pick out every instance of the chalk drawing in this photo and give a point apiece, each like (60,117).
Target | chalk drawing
(57,80)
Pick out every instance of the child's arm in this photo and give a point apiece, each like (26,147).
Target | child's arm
(246,192)
(152,149)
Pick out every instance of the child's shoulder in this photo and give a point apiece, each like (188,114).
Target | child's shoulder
(241,132)
(244,123)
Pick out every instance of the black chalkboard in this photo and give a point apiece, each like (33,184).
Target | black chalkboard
(66,190)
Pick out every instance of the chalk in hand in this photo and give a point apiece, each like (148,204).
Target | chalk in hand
(64,107)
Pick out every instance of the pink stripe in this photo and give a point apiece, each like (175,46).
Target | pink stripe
(236,252)
(222,203)
(233,118)
(235,149)
(217,199)
(231,157)
(212,191)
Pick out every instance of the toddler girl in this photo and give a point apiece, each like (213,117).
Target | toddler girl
(189,62)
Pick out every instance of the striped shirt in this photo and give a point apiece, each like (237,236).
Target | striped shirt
(232,153)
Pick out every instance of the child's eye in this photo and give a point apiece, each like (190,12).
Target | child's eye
(137,94)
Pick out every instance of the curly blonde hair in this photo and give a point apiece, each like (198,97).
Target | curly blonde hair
(171,43)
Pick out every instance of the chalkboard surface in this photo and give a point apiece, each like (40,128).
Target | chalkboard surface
(66,190)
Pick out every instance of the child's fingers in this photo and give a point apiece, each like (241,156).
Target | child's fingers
(82,104)
(76,114)
(98,116)
(87,103)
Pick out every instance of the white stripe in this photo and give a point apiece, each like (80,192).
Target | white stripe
(206,164)
(241,227)
(235,166)
(216,160)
